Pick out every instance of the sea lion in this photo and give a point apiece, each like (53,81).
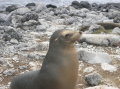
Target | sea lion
(60,66)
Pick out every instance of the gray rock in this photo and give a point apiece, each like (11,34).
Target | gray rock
(51,6)
(61,10)
(116,30)
(94,6)
(10,33)
(82,4)
(36,56)
(40,7)
(92,18)
(76,4)
(117,19)
(43,46)
(84,45)
(59,21)
(9,72)
(16,59)
(11,8)
(112,14)
(70,21)
(30,16)
(1,79)
(85,10)
(93,79)
(2,61)
(30,4)
(3,16)
(16,20)
(108,21)
(89,69)
(94,57)
(4,19)
(31,23)
(101,39)
(53,28)
(42,28)
(108,67)
(14,41)
(22,11)
(94,28)
(85,4)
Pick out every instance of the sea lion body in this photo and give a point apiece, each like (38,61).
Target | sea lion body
(60,66)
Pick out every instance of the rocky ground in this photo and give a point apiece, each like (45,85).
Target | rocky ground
(25,33)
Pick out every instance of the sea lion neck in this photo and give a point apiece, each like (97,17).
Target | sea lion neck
(58,46)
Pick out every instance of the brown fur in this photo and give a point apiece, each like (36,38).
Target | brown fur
(60,66)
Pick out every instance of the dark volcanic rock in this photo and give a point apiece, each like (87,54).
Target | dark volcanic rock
(51,6)
(82,4)
(11,8)
(85,4)
(76,4)
(30,4)
(30,16)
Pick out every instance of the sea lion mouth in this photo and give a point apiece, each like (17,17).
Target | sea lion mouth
(76,36)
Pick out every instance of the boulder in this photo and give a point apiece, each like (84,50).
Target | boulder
(94,28)
(117,19)
(94,6)
(82,4)
(4,19)
(31,23)
(10,33)
(85,4)
(93,79)
(11,8)
(76,4)
(51,6)
(59,11)
(9,72)
(94,57)
(30,4)
(108,67)
(101,39)
(116,31)
(22,11)
(30,16)
(16,20)
(112,14)
(40,7)
(88,69)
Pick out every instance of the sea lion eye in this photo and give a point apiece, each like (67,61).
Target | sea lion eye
(68,35)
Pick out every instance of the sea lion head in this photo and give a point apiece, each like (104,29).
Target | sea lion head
(65,37)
